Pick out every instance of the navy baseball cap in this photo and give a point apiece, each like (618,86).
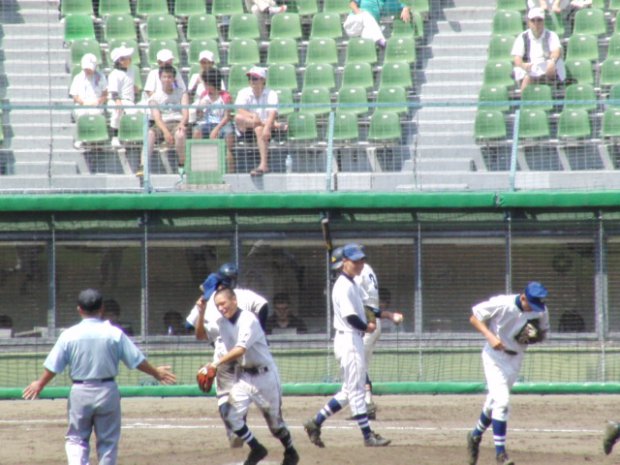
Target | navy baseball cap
(336,258)
(90,300)
(353,252)
(535,294)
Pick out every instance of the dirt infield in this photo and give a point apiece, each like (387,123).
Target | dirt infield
(426,430)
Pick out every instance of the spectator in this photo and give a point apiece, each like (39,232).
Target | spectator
(282,318)
(112,313)
(153,82)
(206,59)
(365,17)
(537,53)
(121,87)
(263,9)
(89,87)
(214,121)
(571,322)
(168,108)
(174,324)
(255,124)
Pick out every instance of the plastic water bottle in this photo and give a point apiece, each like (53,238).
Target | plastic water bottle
(289,163)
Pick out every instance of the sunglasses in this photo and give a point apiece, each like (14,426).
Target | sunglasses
(254,78)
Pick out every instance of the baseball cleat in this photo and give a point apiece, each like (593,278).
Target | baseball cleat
(502,459)
(291,457)
(314,432)
(473,447)
(376,440)
(611,435)
(256,455)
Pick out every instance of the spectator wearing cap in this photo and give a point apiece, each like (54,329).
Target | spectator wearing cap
(537,53)
(365,18)
(168,107)
(256,115)
(92,351)
(263,9)
(214,119)
(121,88)
(206,60)
(89,87)
(165,57)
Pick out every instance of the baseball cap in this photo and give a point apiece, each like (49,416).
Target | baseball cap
(121,52)
(165,55)
(257,71)
(353,252)
(90,300)
(206,55)
(536,13)
(209,286)
(535,293)
(336,258)
(89,61)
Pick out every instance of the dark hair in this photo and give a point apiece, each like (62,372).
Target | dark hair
(90,300)
(281,298)
(167,69)
(212,77)
(112,306)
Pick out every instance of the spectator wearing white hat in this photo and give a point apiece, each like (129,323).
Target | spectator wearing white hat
(121,88)
(153,84)
(262,9)
(565,8)
(89,87)
(255,124)
(206,60)
(537,53)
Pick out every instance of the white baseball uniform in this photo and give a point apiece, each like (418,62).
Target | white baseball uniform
(369,287)
(349,344)
(122,83)
(505,319)
(246,300)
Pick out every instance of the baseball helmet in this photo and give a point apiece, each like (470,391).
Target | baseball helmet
(228,274)
(336,258)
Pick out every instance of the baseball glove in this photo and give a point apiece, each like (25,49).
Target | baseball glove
(371,315)
(205,377)
(530,333)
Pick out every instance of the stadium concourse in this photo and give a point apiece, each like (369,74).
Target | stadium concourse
(442,133)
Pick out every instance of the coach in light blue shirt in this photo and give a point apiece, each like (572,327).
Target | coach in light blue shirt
(93,349)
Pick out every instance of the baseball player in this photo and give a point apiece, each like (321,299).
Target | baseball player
(93,349)
(350,325)
(258,381)
(206,311)
(509,323)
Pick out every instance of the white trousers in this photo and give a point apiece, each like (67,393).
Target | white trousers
(501,371)
(349,351)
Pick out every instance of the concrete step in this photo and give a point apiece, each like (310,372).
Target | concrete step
(54,54)
(445,138)
(37,15)
(43,4)
(448,151)
(41,93)
(468,13)
(429,125)
(455,50)
(43,168)
(32,42)
(445,164)
(39,29)
(464,27)
(25,65)
(34,78)
(42,143)
(38,117)
(466,63)
(476,39)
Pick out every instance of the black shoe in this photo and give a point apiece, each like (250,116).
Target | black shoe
(473,447)
(611,435)
(256,455)
(314,432)
(291,457)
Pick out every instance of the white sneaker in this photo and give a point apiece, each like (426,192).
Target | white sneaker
(116,143)
(78,144)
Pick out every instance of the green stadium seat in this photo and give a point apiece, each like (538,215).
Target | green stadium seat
(611,123)
(610,72)
(243,52)
(161,27)
(403,29)
(76,7)
(421,6)
(338,7)
(500,47)
(285,26)
(316,100)
(498,73)
(613,99)
(131,129)
(583,92)
(533,124)
(554,22)
(302,127)
(346,126)
(133,43)
(197,46)
(396,74)
(582,47)
(514,5)
(282,76)
(361,51)
(319,75)
(282,51)
(599,4)
(92,129)
(613,47)
(151,7)
(138,77)
(226,7)
(237,78)
(579,71)
(243,26)
(285,98)
(119,27)
(590,21)
(400,49)
(326,25)
(614,5)
(496,96)
(81,47)
(574,124)
(392,99)
(357,75)
(78,27)
(187,8)
(304,7)
(114,7)
(157,45)
(201,27)
(506,22)
(353,100)
(384,126)
(489,125)
(322,51)
(539,96)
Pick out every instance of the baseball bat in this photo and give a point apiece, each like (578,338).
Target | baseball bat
(327,235)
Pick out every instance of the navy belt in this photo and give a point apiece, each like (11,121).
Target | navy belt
(82,381)
(255,370)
